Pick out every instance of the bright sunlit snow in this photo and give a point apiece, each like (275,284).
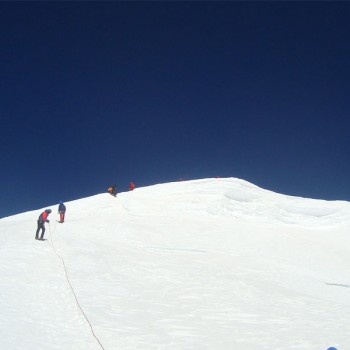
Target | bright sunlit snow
(215,264)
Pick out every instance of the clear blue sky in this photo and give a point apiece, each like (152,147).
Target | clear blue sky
(97,93)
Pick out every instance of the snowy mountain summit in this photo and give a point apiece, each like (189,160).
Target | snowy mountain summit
(212,264)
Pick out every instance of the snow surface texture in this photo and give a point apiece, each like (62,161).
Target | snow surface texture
(215,264)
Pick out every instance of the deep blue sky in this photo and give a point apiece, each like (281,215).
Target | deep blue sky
(97,93)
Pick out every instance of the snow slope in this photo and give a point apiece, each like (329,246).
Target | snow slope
(206,264)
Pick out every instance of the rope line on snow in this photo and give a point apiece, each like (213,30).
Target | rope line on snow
(71,287)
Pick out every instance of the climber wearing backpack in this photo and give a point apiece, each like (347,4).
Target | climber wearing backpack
(62,211)
(41,223)
(112,190)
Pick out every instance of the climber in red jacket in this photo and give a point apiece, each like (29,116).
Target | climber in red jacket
(41,223)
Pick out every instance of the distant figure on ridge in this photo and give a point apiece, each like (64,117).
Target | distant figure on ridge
(62,211)
(41,223)
(112,190)
(131,186)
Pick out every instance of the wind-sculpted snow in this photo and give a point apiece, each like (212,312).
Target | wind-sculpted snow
(206,264)
(233,198)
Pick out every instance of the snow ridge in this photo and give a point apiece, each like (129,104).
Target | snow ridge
(204,264)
